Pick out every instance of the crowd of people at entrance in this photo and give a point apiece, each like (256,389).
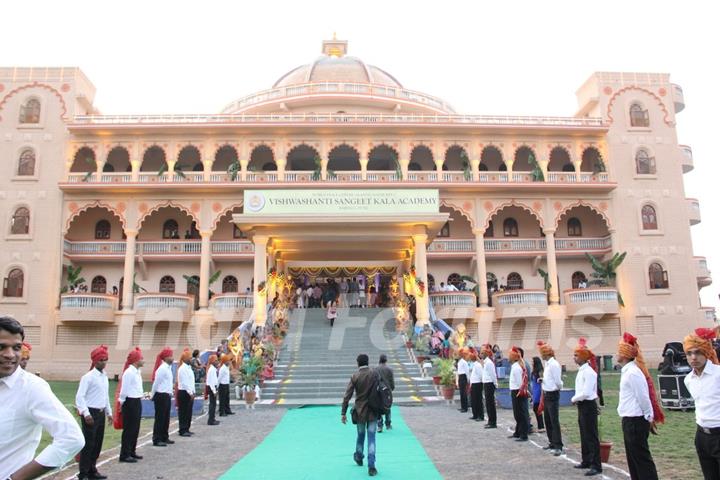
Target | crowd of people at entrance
(353,292)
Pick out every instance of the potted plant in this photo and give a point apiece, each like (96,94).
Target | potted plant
(605,445)
(422,348)
(446,372)
(249,377)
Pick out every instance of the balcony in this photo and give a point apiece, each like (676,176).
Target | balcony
(693,210)
(686,158)
(101,249)
(704,277)
(707,314)
(231,307)
(678,97)
(88,307)
(441,247)
(592,302)
(164,307)
(446,247)
(454,305)
(516,304)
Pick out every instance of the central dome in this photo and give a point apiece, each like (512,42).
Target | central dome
(337,69)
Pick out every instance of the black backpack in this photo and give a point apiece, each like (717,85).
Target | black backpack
(380,399)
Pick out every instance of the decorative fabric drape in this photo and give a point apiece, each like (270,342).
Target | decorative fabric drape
(329,271)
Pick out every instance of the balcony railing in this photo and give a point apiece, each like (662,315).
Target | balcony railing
(686,158)
(678,98)
(520,304)
(515,245)
(173,247)
(493,177)
(580,243)
(427,176)
(88,307)
(453,299)
(591,302)
(232,247)
(163,307)
(157,248)
(94,248)
(451,246)
(382,176)
(562,177)
(694,210)
(231,307)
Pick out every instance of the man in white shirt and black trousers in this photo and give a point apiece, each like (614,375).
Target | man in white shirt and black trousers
(476,386)
(551,385)
(519,394)
(224,388)
(27,406)
(638,407)
(128,407)
(703,383)
(186,393)
(586,400)
(463,370)
(93,403)
(161,395)
(489,382)
(211,386)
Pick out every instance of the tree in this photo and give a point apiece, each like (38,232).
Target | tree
(73,279)
(194,281)
(233,169)
(137,288)
(605,273)
(467,170)
(546,279)
(537,173)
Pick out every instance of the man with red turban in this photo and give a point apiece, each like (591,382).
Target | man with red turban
(586,400)
(552,384)
(211,386)
(703,383)
(519,395)
(463,370)
(93,404)
(185,393)
(25,355)
(161,393)
(638,407)
(128,406)
(489,382)
(224,387)
(476,403)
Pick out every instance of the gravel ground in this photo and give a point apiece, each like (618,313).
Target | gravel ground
(489,454)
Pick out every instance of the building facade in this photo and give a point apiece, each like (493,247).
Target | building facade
(153,206)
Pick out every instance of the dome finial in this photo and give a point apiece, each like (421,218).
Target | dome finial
(334,48)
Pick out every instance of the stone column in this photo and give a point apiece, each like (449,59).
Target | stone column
(481,266)
(260,275)
(281,165)
(134,170)
(207,169)
(552,266)
(423,311)
(475,166)
(204,269)
(363,165)
(129,270)
(243,169)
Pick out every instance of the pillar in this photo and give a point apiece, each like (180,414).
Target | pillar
(207,169)
(423,309)
(475,166)
(129,270)
(204,269)
(577,164)
(281,165)
(404,163)
(134,170)
(243,169)
(481,266)
(260,275)
(552,266)
(270,265)
(363,165)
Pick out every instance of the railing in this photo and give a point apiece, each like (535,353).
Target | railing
(423,176)
(345,177)
(453,299)
(457,177)
(451,246)
(493,177)
(262,177)
(87,307)
(515,245)
(167,307)
(521,297)
(170,248)
(694,207)
(299,176)
(678,97)
(592,295)
(382,176)
(702,266)
(587,177)
(94,248)
(522,177)
(222,177)
(562,177)
(594,302)
(232,247)
(116,178)
(83,177)
(579,243)
(231,301)
(687,158)
(152,177)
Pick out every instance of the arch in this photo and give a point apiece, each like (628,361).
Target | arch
(230,284)
(522,159)
(154,159)
(454,279)
(592,161)
(455,158)
(102,230)
(421,159)
(84,161)
(168,204)
(167,284)
(302,158)
(461,209)
(649,217)
(644,163)
(560,160)
(52,90)
(459,224)
(225,156)
(383,158)
(658,276)
(76,213)
(262,159)
(170,229)
(513,203)
(489,231)
(639,116)
(344,158)
(574,227)
(562,213)
(510,227)
(30,111)
(26,162)
(616,95)
(515,281)
(235,208)
(578,278)
(98,284)
(14,283)
(189,159)
(20,221)
(118,160)
(491,159)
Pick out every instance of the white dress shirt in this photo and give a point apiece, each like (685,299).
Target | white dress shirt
(211,380)
(186,379)
(463,368)
(516,372)
(132,386)
(552,376)
(224,375)
(489,373)
(93,393)
(27,405)
(476,372)
(163,382)
(705,390)
(585,384)
(634,398)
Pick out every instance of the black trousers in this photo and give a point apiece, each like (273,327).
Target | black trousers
(708,449)
(224,397)
(476,402)
(490,402)
(538,416)
(131,411)
(93,441)
(552,418)
(589,438)
(462,386)
(161,426)
(521,414)
(212,404)
(635,435)
(185,405)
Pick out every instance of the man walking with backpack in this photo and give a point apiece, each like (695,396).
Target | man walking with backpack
(362,384)
(388,377)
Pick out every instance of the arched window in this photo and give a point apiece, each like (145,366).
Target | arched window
(577,278)
(102,230)
(13,283)
(492,282)
(237,233)
(445,230)
(644,163)
(167,284)
(574,227)
(414,167)
(515,281)
(229,284)
(639,116)
(20,223)
(26,163)
(454,279)
(658,276)
(649,218)
(98,285)
(489,231)
(170,229)
(30,112)
(510,227)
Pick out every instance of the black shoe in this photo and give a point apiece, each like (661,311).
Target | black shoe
(128,460)
(97,476)
(490,426)
(169,442)
(80,477)
(231,413)
(222,415)
(214,422)
(372,471)
(388,427)
(593,471)
(472,418)
(582,465)
(379,429)
(185,434)
(191,433)
(462,410)
(479,419)
(548,447)
(358,459)
(521,439)
(513,436)
(136,456)
(159,444)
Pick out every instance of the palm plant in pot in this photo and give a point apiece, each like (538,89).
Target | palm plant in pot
(446,371)
(249,377)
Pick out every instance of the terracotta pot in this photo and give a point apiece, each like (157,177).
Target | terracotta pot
(605,451)
(448,392)
(436,380)
(250,397)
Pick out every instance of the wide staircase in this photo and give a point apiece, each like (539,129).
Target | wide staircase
(316,360)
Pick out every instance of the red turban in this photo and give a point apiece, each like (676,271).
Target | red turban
(629,348)
(164,353)
(585,354)
(545,349)
(134,356)
(98,354)
(213,358)
(702,339)
(487,350)
(26,349)
(227,357)
(514,354)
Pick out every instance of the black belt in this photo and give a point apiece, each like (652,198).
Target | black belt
(709,431)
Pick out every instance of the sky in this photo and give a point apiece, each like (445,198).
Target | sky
(486,58)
